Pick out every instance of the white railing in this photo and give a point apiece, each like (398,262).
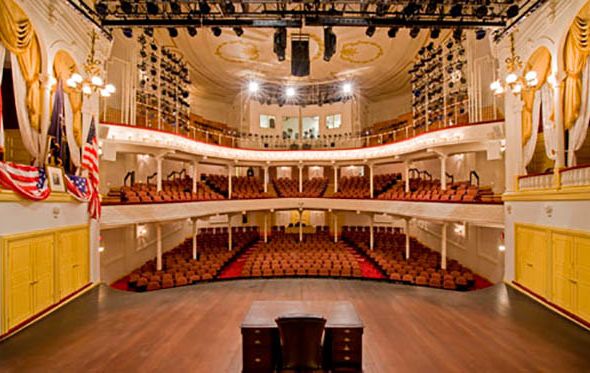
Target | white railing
(575,176)
(535,182)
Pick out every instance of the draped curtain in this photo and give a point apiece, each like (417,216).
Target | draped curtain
(18,36)
(549,126)
(580,128)
(535,116)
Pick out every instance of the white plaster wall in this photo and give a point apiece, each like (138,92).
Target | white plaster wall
(388,108)
(217,111)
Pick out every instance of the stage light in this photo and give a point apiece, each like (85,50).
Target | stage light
(172,32)
(101,8)
(456,10)
(216,31)
(513,11)
(204,7)
(347,88)
(126,7)
(481,11)
(152,7)
(229,7)
(253,87)
(175,7)
(280,43)
(458,34)
(480,34)
(329,43)
(239,31)
(414,32)
(370,31)
(431,7)
(382,9)
(392,32)
(192,31)
(290,92)
(127,32)
(435,33)
(411,9)
(148,31)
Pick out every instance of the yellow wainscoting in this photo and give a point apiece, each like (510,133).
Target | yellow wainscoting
(40,269)
(555,264)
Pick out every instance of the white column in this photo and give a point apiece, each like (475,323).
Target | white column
(407,233)
(195,234)
(443,247)
(195,175)
(265,227)
(335,226)
(300,179)
(159,174)
(407,175)
(265,179)
(229,233)
(300,225)
(229,183)
(372,234)
(371,187)
(335,179)
(558,113)
(443,172)
(158,246)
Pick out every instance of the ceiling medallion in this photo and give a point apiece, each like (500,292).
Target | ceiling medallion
(243,52)
(354,52)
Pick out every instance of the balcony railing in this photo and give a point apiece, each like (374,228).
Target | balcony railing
(563,179)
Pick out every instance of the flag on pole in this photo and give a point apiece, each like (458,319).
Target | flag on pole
(90,163)
(59,152)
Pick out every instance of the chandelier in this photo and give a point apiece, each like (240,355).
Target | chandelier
(93,82)
(513,80)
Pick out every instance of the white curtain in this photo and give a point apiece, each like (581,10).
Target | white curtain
(2,54)
(29,137)
(577,134)
(549,128)
(72,145)
(529,147)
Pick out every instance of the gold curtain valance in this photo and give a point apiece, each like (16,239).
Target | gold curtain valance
(63,68)
(18,36)
(539,62)
(576,52)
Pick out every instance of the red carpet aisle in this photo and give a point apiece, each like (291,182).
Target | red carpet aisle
(234,269)
(368,270)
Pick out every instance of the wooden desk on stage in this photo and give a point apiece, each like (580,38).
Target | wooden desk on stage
(342,340)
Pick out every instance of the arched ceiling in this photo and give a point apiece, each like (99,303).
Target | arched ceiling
(220,66)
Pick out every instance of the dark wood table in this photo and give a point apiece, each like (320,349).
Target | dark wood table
(343,339)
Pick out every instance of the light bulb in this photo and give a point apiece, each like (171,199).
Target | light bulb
(97,81)
(71,83)
(77,78)
(501,248)
(499,90)
(253,87)
(532,82)
(52,81)
(347,88)
(531,75)
(517,88)
(86,89)
(495,85)
(551,79)
(511,78)
(110,88)
(105,93)
(290,92)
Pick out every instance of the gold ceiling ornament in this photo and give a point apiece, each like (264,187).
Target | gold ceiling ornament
(353,52)
(249,50)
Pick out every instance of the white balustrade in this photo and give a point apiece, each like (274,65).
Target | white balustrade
(575,176)
(535,182)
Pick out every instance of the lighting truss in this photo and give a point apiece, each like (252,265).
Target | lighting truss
(295,14)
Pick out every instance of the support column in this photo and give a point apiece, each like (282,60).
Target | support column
(265,179)
(159,174)
(158,246)
(558,113)
(335,179)
(335,226)
(229,182)
(407,233)
(195,175)
(407,176)
(300,179)
(443,172)
(371,187)
(265,227)
(195,234)
(443,247)
(300,225)
(229,233)
(372,234)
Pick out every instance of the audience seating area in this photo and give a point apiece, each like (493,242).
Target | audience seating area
(312,188)
(358,187)
(179,190)
(423,266)
(179,268)
(317,255)
(426,190)
(243,187)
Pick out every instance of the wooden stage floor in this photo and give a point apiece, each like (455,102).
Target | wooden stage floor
(196,329)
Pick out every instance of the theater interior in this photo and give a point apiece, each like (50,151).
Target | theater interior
(265,186)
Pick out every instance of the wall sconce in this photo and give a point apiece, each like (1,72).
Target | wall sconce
(141,231)
(459,230)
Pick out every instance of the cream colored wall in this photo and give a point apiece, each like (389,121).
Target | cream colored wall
(388,108)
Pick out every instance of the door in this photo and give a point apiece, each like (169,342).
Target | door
(72,261)
(582,276)
(563,287)
(19,282)
(42,249)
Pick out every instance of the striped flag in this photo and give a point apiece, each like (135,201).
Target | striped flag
(90,163)
(77,186)
(28,181)
(1,127)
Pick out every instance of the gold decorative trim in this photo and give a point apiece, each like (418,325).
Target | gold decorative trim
(350,50)
(252,51)
(565,194)
(10,196)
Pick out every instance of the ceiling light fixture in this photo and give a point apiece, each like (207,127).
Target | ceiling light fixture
(172,32)
(414,32)
(192,31)
(216,31)
(480,34)
(152,8)
(253,87)
(513,81)
(347,88)
(290,92)
(239,31)
(204,7)
(392,32)
(127,32)
(370,31)
(435,33)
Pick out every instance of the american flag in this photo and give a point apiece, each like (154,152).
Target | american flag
(77,186)
(90,162)
(28,181)
(1,127)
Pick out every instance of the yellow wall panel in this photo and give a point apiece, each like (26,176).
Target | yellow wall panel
(563,287)
(72,261)
(531,256)
(44,272)
(582,274)
(18,283)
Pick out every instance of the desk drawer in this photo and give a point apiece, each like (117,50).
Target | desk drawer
(258,362)
(347,335)
(347,346)
(346,357)
(257,337)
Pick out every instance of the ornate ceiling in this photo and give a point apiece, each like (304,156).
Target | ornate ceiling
(221,66)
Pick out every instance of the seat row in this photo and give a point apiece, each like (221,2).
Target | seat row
(426,190)
(289,188)
(243,187)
